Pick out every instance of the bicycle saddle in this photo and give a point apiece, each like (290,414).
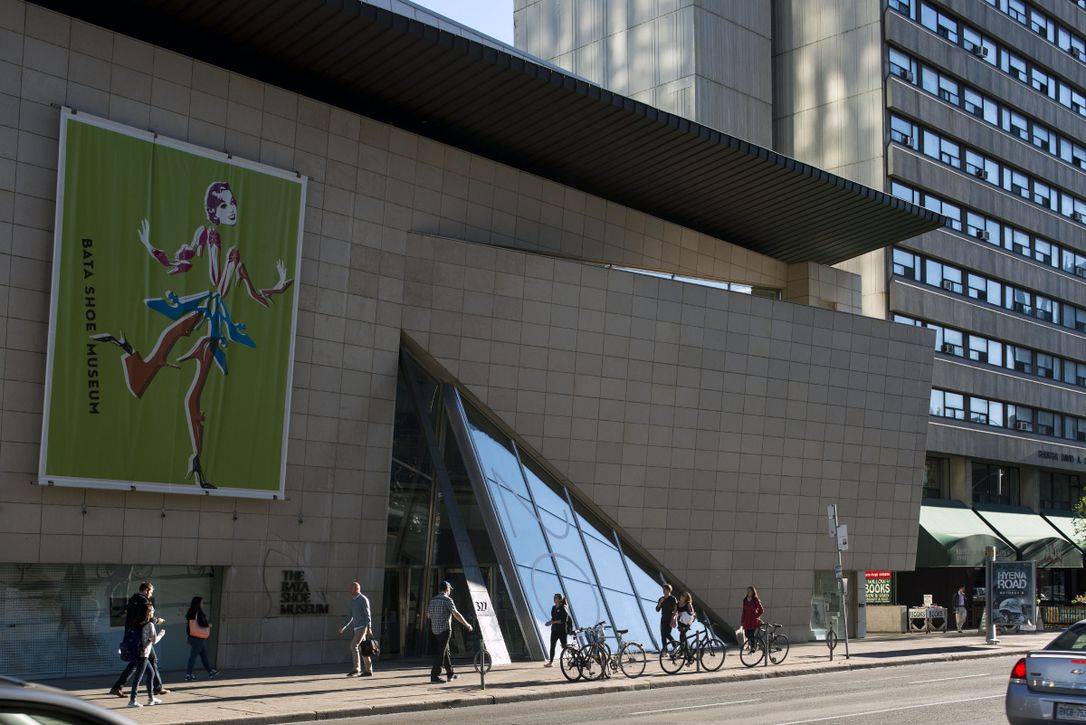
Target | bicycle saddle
(621,631)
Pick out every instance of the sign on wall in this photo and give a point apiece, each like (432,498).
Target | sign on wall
(1014,594)
(879,587)
(171,331)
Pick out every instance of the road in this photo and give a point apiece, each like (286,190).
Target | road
(969,691)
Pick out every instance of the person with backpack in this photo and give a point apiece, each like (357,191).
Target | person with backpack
(135,613)
(561,624)
(199,629)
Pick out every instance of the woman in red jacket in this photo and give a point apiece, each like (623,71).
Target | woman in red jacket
(752,613)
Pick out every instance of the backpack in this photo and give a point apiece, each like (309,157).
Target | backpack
(130,645)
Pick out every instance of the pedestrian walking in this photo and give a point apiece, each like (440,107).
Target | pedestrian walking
(561,625)
(135,613)
(441,611)
(667,606)
(149,637)
(685,614)
(199,629)
(960,610)
(752,613)
(359,616)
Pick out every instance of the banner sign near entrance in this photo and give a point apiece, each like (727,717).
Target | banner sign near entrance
(171,328)
(1014,594)
(879,587)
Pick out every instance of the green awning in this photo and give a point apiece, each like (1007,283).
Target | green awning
(1032,537)
(1064,523)
(953,535)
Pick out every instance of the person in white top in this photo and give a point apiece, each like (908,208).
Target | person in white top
(149,637)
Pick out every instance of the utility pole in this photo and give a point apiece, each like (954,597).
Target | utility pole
(990,629)
(839,532)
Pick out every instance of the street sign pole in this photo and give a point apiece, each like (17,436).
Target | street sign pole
(839,533)
(990,630)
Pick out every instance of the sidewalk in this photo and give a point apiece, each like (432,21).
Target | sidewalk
(283,695)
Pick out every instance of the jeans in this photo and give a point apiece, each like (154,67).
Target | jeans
(197,647)
(131,667)
(440,643)
(356,653)
(558,634)
(665,633)
(142,666)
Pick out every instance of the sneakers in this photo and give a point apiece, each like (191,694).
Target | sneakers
(154,701)
(436,681)
(213,674)
(116,691)
(353,673)
(366,674)
(133,703)
(162,691)
(548,664)
(453,677)
(190,678)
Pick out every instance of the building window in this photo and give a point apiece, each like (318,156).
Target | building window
(937,478)
(1059,491)
(993,483)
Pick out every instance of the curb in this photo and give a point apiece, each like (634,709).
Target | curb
(595,688)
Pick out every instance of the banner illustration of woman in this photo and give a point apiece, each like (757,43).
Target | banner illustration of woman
(204,311)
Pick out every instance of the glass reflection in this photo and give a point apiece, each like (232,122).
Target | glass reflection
(585,603)
(408,516)
(521,528)
(548,497)
(540,587)
(627,615)
(495,457)
(568,549)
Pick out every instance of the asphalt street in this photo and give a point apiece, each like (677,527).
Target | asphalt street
(963,692)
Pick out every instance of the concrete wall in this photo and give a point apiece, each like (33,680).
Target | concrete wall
(756,413)
(703,60)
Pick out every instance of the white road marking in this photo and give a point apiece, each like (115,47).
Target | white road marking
(694,707)
(945,679)
(892,709)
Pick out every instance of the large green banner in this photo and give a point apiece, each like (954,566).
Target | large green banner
(172,320)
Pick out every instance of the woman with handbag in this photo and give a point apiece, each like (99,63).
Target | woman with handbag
(685,615)
(199,629)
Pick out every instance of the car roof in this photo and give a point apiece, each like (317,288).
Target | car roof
(16,692)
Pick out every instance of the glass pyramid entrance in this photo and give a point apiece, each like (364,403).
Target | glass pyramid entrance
(469,505)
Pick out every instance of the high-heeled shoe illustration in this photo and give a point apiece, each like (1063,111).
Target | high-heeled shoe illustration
(196,471)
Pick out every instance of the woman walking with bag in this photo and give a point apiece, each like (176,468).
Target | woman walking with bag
(560,623)
(685,614)
(199,629)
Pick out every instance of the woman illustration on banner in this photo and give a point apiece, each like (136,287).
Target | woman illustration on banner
(203,310)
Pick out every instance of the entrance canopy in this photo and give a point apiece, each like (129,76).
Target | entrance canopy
(953,535)
(1032,536)
(1065,524)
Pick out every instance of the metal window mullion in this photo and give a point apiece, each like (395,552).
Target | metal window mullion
(633,588)
(539,520)
(591,560)
(522,607)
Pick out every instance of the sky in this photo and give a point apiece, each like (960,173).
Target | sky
(492,17)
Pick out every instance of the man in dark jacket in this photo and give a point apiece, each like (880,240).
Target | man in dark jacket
(666,606)
(135,611)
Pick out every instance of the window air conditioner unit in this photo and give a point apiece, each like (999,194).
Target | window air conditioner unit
(1080,270)
(907,140)
(948,285)
(980,172)
(1076,215)
(947,348)
(980,51)
(982,234)
(905,74)
(1021,425)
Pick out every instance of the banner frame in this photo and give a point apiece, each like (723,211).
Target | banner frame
(67,115)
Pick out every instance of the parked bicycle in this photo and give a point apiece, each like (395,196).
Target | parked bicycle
(630,657)
(703,649)
(767,640)
(587,657)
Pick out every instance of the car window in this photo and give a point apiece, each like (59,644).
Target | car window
(1073,639)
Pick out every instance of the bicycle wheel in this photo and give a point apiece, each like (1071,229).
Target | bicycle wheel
(778,648)
(483,661)
(569,662)
(632,660)
(594,662)
(711,653)
(752,652)
(672,660)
